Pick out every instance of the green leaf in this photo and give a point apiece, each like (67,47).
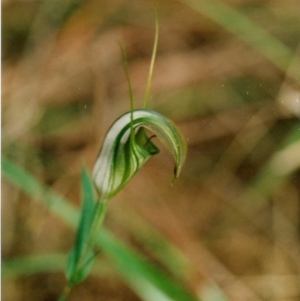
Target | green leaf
(121,156)
(79,265)
(155,282)
(76,270)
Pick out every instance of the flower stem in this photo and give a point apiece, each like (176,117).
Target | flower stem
(100,212)
(65,293)
(98,218)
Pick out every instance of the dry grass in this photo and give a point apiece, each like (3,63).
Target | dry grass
(62,87)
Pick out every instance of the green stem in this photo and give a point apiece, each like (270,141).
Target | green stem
(65,293)
(98,218)
(100,211)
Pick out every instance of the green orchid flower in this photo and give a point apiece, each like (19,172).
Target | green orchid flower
(127,147)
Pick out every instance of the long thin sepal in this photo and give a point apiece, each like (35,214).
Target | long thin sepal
(147,93)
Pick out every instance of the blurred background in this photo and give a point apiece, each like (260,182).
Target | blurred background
(227,73)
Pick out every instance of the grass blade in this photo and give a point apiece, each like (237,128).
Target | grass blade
(33,264)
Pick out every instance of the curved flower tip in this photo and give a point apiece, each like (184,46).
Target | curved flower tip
(127,147)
